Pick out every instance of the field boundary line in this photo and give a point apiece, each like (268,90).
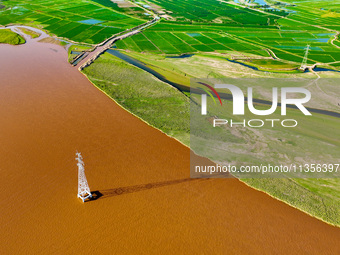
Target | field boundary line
(152,42)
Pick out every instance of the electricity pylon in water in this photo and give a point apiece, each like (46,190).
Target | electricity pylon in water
(304,61)
(83,187)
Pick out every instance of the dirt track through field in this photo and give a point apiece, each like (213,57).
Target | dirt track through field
(48,111)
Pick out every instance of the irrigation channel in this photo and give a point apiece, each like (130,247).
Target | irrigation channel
(86,58)
(184,88)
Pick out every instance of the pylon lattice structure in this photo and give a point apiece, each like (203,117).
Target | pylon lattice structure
(83,187)
(304,61)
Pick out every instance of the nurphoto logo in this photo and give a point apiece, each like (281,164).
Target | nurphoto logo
(263,128)
(239,100)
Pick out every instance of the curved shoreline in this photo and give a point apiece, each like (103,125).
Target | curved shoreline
(183,88)
(197,217)
(241,180)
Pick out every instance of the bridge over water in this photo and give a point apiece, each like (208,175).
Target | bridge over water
(87,57)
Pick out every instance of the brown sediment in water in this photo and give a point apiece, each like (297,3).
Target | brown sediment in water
(146,203)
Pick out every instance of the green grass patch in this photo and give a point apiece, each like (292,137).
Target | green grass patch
(157,103)
(270,64)
(148,97)
(63,18)
(9,37)
(317,197)
(30,32)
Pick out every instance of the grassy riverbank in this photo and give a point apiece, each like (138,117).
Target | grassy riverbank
(180,70)
(9,37)
(157,103)
(168,110)
(30,32)
(317,197)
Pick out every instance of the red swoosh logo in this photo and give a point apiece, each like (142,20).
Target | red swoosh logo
(215,92)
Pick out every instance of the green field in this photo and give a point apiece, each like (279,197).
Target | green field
(189,27)
(9,37)
(287,45)
(191,11)
(79,20)
(225,26)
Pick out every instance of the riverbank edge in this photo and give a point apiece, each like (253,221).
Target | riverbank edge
(241,180)
(21,39)
(125,109)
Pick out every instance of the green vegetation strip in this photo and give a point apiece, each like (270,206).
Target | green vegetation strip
(190,27)
(167,109)
(30,32)
(308,195)
(9,37)
(83,21)
(157,103)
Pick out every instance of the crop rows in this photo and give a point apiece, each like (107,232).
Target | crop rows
(285,43)
(78,20)
(215,11)
(180,42)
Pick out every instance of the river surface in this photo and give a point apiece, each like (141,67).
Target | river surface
(148,204)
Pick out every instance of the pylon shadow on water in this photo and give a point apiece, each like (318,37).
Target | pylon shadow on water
(100,194)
